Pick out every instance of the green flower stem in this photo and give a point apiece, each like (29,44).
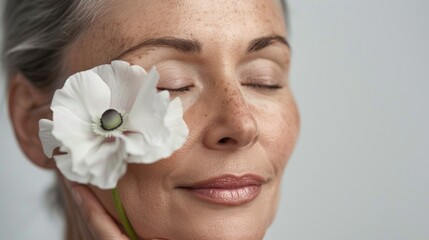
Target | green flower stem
(122,215)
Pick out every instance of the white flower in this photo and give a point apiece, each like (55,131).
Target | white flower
(109,116)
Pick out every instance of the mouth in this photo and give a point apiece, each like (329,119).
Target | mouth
(229,190)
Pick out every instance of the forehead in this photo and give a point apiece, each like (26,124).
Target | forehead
(220,23)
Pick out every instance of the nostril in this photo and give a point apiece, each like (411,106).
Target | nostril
(227,140)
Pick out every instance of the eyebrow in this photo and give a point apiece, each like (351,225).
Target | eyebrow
(188,46)
(192,46)
(263,42)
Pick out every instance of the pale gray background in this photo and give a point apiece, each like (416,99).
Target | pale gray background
(360,170)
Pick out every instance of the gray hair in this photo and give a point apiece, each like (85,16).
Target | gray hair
(38,33)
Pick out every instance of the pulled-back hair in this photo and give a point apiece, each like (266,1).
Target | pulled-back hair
(37,34)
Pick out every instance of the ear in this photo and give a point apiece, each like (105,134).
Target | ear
(27,105)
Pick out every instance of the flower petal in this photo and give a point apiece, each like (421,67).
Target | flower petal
(148,100)
(75,134)
(107,164)
(134,143)
(100,152)
(147,114)
(105,171)
(49,142)
(178,133)
(123,80)
(85,94)
(64,164)
(178,129)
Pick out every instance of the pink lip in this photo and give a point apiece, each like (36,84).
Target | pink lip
(227,189)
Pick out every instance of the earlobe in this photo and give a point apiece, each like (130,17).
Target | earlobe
(27,105)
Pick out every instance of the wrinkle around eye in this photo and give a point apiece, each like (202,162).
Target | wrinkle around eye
(176,76)
(263,76)
(257,86)
(175,85)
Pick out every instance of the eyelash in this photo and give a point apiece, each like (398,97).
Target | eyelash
(263,86)
(257,86)
(253,85)
(178,90)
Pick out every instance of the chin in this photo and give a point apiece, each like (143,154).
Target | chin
(208,221)
(202,220)
(226,228)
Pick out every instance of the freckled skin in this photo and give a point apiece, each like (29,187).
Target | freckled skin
(260,125)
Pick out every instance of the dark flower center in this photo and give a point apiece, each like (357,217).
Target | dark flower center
(111,120)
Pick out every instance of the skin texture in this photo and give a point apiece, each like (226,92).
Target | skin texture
(238,124)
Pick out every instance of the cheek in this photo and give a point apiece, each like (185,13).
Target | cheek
(278,125)
(142,195)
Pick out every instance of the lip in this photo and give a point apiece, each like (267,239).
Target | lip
(230,190)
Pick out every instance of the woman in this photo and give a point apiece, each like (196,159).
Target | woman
(228,62)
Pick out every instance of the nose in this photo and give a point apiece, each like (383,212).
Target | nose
(233,125)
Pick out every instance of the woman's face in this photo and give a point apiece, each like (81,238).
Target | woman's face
(227,62)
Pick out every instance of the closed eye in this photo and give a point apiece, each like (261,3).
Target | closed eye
(178,90)
(263,86)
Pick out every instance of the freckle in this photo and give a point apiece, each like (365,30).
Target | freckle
(140,57)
